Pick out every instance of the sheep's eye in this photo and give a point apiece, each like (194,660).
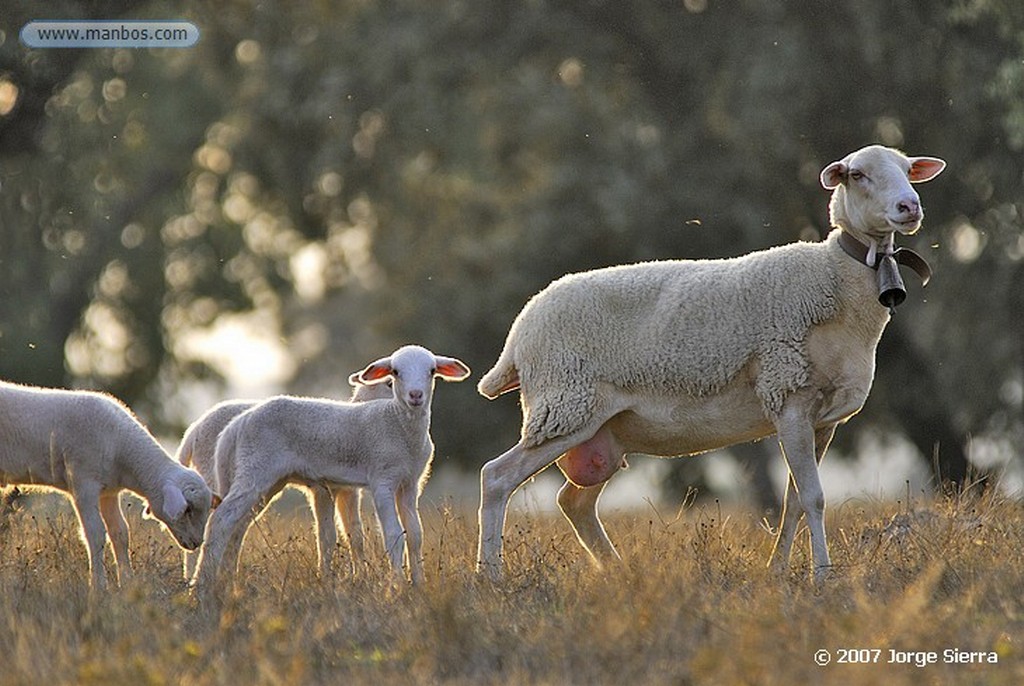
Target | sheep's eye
(856,174)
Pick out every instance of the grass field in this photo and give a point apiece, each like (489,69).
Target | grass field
(693,603)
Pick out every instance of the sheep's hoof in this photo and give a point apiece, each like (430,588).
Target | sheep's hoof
(823,574)
(493,572)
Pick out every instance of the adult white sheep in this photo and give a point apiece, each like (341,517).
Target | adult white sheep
(90,446)
(381,445)
(197,450)
(678,357)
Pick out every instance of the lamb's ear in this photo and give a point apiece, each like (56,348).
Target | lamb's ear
(174,502)
(833,175)
(925,168)
(353,379)
(450,369)
(376,372)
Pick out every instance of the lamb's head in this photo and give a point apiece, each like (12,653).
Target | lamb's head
(412,370)
(183,505)
(871,192)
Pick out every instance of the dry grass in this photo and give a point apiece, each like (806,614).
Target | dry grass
(692,604)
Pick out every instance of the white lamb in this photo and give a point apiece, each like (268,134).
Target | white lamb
(91,447)
(381,445)
(678,357)
(197,450)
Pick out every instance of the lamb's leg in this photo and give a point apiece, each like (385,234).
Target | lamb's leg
(117,529)
(409,514)
(224,532)
(327,535)
(797,437)
(579,505)
(499,479)
(390,528)
(188,563)
(87,505)
(792,512)
(347,503)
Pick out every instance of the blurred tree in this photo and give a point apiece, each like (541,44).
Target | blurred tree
(364,174)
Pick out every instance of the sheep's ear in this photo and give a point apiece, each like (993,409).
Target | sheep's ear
(353,379)
(174,502)
(376,372)
(450,369)
(833,175)
(925,168)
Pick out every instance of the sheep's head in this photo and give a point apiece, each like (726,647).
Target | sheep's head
(412,370)
(872,194)
(183,506)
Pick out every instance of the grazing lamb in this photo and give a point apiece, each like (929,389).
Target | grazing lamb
(90,446)
(197,450)
(678,357)
(382,445)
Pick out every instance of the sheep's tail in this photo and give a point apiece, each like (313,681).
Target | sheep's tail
(502,378)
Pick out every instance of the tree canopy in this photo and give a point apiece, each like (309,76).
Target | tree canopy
(337,179)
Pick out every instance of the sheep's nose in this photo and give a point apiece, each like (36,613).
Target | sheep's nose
(910,206)
(416,397)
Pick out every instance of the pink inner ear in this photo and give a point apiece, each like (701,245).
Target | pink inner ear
(375,372)
(833,175)
(452,370)
(925,168)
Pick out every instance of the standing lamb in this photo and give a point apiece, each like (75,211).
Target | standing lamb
(91,447)
(197,450)
(381,445)
(678,357)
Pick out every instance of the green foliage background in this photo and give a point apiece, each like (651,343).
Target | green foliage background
(368,173)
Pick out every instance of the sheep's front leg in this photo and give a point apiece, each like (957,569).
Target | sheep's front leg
(791,510)
(327,535)
(390,527)
(347,503)
(225,530)
(797,438)
(87,505)
(117,529)
(408,512)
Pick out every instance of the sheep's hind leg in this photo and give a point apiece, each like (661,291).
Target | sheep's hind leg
(579,505)
(347,503)
(499,479)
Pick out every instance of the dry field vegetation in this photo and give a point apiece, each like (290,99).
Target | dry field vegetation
(692,604)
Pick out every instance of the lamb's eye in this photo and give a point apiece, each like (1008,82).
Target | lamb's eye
(856,174)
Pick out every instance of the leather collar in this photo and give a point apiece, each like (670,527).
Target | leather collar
(905,256)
